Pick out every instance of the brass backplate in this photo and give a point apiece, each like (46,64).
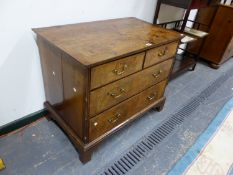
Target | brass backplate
(2,165)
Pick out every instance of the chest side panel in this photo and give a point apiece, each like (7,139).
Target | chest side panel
(51,69)
(74,84)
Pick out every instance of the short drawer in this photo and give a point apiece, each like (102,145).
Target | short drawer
(159,54)
(115,70)
(111,94)
(120,113)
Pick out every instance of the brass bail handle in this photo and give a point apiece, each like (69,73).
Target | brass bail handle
(156,75)
(115,95)
(162,52)
(121,71)
(114,119)
(151,97)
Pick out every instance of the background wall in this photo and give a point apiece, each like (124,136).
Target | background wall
(168,13)
(21,85)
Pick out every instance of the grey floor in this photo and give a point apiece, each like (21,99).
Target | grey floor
(44,149)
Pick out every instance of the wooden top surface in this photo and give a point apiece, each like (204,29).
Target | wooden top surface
(229,6)
(98,42)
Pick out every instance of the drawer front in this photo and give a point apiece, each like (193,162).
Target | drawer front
(120,113)
(108,96)
(115,70)
(159,54)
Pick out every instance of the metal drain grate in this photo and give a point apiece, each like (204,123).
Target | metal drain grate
(135,154)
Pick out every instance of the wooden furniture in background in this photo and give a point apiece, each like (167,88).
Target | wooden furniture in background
(187,4)
(184,60)
(99,76)
(218,46)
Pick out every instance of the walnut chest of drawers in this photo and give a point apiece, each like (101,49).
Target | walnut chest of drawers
(99,76)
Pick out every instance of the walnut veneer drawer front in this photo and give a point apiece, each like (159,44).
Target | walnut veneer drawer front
(107,96)
(115,70)
(123,111)
(159,54)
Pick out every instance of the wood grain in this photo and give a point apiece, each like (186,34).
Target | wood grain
(160,54)
(98,42)
(204,16)
(93,70)
(102,98)
(217,44)
(51,70)
(74,94)
(123,111)
(115,70)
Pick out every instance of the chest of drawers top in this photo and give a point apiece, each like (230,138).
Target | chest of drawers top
(98,42)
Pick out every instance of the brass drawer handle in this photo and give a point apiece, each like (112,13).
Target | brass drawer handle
(162,52)
(156,75)
(115,95)
(122,71)
(114,119)
(151,97)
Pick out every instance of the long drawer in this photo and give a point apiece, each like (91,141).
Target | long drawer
(108,96)
(118,114)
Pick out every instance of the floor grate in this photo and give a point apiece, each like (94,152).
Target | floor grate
(137,152)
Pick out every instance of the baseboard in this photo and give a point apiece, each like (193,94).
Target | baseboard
(22,121)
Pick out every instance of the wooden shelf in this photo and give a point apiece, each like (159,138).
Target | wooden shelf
(185,62)
(182,63)
(191,32)
(195,32)
(187,39)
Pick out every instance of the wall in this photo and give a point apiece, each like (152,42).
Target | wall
(170,13)
(21,85)
(228,2)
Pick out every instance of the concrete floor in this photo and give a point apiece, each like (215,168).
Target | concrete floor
(44,149)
